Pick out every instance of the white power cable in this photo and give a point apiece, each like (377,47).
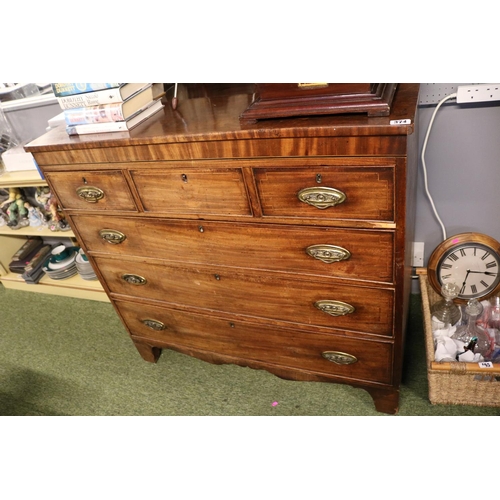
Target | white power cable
(451,96)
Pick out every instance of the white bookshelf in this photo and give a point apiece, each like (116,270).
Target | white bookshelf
(23,178)
(11,240)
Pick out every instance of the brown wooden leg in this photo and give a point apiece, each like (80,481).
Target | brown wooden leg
(386,400)
(147,352)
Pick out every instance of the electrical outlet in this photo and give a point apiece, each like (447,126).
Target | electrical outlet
(481,92)
(418,254)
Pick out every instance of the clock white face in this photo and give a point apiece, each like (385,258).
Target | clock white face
(473,267)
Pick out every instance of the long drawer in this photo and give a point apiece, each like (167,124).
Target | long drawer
(323,354)
(276,297)
(323,251)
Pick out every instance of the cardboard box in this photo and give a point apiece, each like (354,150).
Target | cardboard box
(16,159)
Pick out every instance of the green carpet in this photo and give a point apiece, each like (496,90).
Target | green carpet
(65,356)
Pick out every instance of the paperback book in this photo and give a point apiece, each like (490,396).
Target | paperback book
(63,89)
(113,112)
(97,97)
(120,126)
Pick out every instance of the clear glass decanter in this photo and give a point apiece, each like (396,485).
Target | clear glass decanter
(446,310)
(471,330)
(494,317)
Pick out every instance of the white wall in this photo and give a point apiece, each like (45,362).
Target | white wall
(463,170)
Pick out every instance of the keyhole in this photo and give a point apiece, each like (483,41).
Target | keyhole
(184,178)
(318,178)
(84,180)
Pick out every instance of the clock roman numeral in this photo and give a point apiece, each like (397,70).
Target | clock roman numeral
(445,266)
(484,284)
(453,257)
(462,252)
(485,255)
(491,264)
(473,288)
(445,276)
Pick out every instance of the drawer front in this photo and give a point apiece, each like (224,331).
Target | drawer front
(323,354)
(342,253)
(272,296)
(365,193)
(200,191)
(92,190)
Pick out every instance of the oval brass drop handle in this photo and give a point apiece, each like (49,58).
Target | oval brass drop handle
(112,236)
(328,253)
(340,358)
(334,307)
(154,324)
(321,197)
(134,279)
(90,194)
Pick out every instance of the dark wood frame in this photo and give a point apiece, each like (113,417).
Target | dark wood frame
(284,100)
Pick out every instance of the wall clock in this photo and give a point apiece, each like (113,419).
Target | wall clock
(471,260)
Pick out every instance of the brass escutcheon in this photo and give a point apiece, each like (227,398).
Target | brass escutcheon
(154,325)
(91,194)
(321,197)
(112,236)
(334,307)
(328,253)
(340,358)
(134,279)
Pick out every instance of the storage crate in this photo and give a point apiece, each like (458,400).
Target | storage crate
(456,382)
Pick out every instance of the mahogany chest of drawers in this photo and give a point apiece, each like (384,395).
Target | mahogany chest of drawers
(282,245)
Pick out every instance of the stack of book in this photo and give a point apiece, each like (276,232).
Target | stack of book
(95,108)
(28,260)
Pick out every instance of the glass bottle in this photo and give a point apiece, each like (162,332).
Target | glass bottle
(494,317)
(446,310)
(471,330)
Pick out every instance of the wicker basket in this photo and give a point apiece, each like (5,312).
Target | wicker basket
(455,383)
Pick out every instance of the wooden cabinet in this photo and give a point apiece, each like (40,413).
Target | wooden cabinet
(281,245)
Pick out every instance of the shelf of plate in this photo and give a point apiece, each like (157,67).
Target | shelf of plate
(70,287)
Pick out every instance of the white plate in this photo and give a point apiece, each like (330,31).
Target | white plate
(53,264)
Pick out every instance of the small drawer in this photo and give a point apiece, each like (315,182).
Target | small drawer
(92,190)
(269,296)
(200,191)
(364,193)
(323,251)
(318,353)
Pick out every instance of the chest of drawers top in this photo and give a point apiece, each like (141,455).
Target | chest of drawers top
(206,125)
